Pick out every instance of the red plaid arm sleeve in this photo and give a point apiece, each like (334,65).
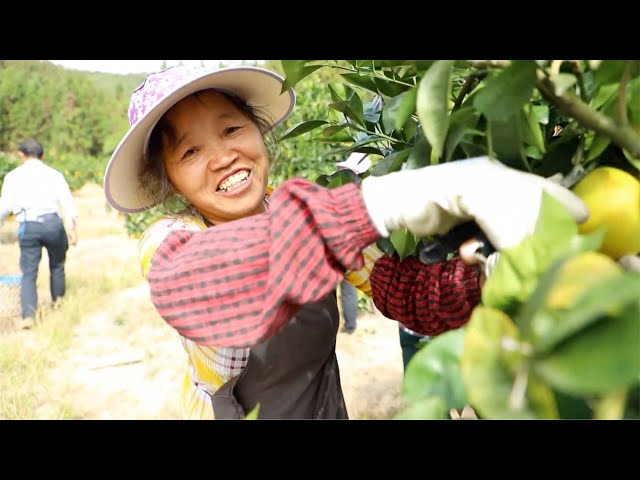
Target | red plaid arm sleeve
(428,299)
(238,283)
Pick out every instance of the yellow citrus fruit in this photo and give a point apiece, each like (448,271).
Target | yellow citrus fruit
(613,198)
(578,274)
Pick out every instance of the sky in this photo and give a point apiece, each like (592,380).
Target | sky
(134,66)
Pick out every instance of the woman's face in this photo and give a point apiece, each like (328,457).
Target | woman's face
(217,160)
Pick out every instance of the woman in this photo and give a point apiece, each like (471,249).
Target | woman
(247,276)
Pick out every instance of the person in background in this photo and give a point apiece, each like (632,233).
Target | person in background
(349,306)
(247,275)
(41,201)
(410,342)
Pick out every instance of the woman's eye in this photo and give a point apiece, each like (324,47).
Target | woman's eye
(189,153)
(231,130)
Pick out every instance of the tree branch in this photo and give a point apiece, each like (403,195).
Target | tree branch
(623,135)
(577,71)
(469,84)
(621,103)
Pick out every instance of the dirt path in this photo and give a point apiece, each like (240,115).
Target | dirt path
(126,363)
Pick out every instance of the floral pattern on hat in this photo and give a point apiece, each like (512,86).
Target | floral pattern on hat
(157,86)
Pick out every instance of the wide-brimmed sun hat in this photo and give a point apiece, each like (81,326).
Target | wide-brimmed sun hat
(157,94)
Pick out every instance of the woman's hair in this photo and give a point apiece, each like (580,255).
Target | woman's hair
(154,180)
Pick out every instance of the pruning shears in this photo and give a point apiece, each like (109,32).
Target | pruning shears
(441,246)
(476,243)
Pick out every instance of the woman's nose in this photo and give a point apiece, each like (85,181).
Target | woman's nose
(221,157)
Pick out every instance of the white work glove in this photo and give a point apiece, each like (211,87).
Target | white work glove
(504,202)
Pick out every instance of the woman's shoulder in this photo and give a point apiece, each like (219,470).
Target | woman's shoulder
(187,219)
(157,231)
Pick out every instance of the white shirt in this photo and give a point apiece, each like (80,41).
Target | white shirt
(34,189)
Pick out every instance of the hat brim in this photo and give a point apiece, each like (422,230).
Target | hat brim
(256,86)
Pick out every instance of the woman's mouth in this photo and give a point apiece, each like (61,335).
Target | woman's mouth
(235,181)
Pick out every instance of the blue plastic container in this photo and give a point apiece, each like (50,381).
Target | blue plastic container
(10,295)
(10,279)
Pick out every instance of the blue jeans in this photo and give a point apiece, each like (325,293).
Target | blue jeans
(50,234)
(410,343)
(349,303)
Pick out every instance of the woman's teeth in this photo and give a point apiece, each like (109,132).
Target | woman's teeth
(234,181)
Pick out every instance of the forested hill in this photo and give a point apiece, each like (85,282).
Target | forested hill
(69,111)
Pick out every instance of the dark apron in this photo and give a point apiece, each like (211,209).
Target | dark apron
(292,375)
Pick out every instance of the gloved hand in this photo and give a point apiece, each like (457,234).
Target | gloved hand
(504,202)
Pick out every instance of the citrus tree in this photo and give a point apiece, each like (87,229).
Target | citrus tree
(557,333)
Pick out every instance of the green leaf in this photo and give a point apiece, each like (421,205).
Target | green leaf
(426,409)
(599,144)
(342,106)
(404,242)
(601,358)
(340,136)
(339,92)
(253,414)
(605,94)
(420,154)
(399,110)
(410,130)
(356,109)
(295,70)
(633,161)
(555,226)
(506,93)
(536,302)
(370,151)
(609,71)
(330,131)
(460,122)
(599,298)
(563,82)
(355,146)
(506,138)
(391,163)
(542,113)
(489,371)
(340,178)
(386,246)
(633,103)
(532,133)
(516,274)
(433,103)
(302,128)
(434,371)
(611,406)
(571,407)
(388,88)
(532,152)
(362,81)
